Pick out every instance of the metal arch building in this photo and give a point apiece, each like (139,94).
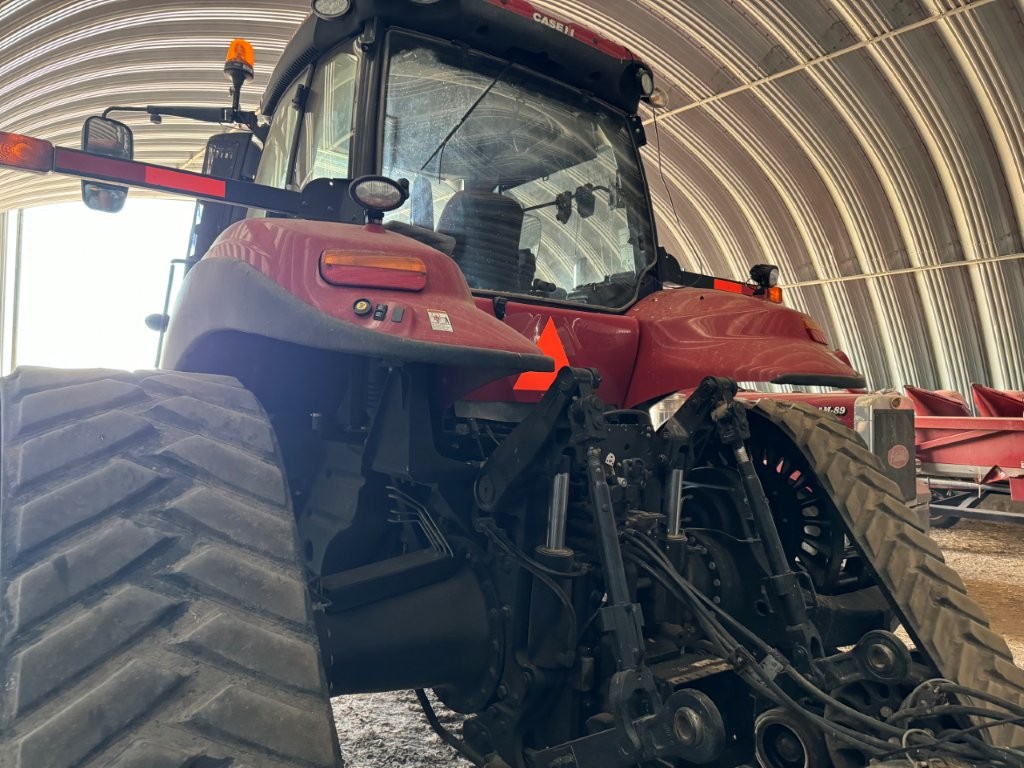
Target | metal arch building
(874,149)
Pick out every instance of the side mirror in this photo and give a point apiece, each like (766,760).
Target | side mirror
(586,200)
(103,136)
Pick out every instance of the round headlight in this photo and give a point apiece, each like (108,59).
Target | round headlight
(378,193)
(645,80)
(331,9)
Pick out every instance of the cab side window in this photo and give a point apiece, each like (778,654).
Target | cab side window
(277,153)
(326,136)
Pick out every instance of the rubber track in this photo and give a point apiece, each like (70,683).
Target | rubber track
(153,611)
(929,596)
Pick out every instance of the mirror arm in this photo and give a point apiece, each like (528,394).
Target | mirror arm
(203,114)
(573,195)
(540,206)
(108,110)
(250,121)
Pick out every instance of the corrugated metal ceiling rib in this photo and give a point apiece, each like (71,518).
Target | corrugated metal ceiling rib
(874,149)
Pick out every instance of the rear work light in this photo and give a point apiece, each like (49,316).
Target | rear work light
(25,152)
(328,10)
(402,273)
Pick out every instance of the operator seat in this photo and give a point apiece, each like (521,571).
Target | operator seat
(486,227)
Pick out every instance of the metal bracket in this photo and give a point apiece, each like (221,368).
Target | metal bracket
(516,454)
(689,727)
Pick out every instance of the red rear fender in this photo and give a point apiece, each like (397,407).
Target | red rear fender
(262,276)
(689,333)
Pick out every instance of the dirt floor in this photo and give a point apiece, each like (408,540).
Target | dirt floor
(389,731)
(990,558)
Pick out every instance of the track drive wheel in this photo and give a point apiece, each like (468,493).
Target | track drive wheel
(154,611)
(929,597)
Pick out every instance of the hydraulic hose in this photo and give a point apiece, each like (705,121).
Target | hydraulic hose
(649,557)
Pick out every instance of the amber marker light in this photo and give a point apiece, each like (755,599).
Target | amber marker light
(403,273)
(774,295)
(25,152)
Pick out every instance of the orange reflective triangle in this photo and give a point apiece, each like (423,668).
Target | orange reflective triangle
(551,345)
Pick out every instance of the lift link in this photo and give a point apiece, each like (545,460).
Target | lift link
(621,618)
(687,725)
(785,588)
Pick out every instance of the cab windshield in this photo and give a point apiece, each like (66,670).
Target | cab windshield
(539,186)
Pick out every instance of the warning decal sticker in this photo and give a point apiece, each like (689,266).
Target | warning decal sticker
(551,345)
(440,321)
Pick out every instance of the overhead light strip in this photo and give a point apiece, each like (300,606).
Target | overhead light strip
(908,270)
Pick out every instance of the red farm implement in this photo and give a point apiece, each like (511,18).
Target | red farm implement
(973,466)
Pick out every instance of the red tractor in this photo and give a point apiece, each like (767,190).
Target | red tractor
(436,411)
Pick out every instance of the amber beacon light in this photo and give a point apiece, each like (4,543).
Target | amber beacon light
(240,56)
(239,66)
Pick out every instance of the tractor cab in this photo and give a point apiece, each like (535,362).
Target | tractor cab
(531,182)
(517,140)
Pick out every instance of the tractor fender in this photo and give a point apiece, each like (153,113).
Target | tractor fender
(261,277)
(689,333)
